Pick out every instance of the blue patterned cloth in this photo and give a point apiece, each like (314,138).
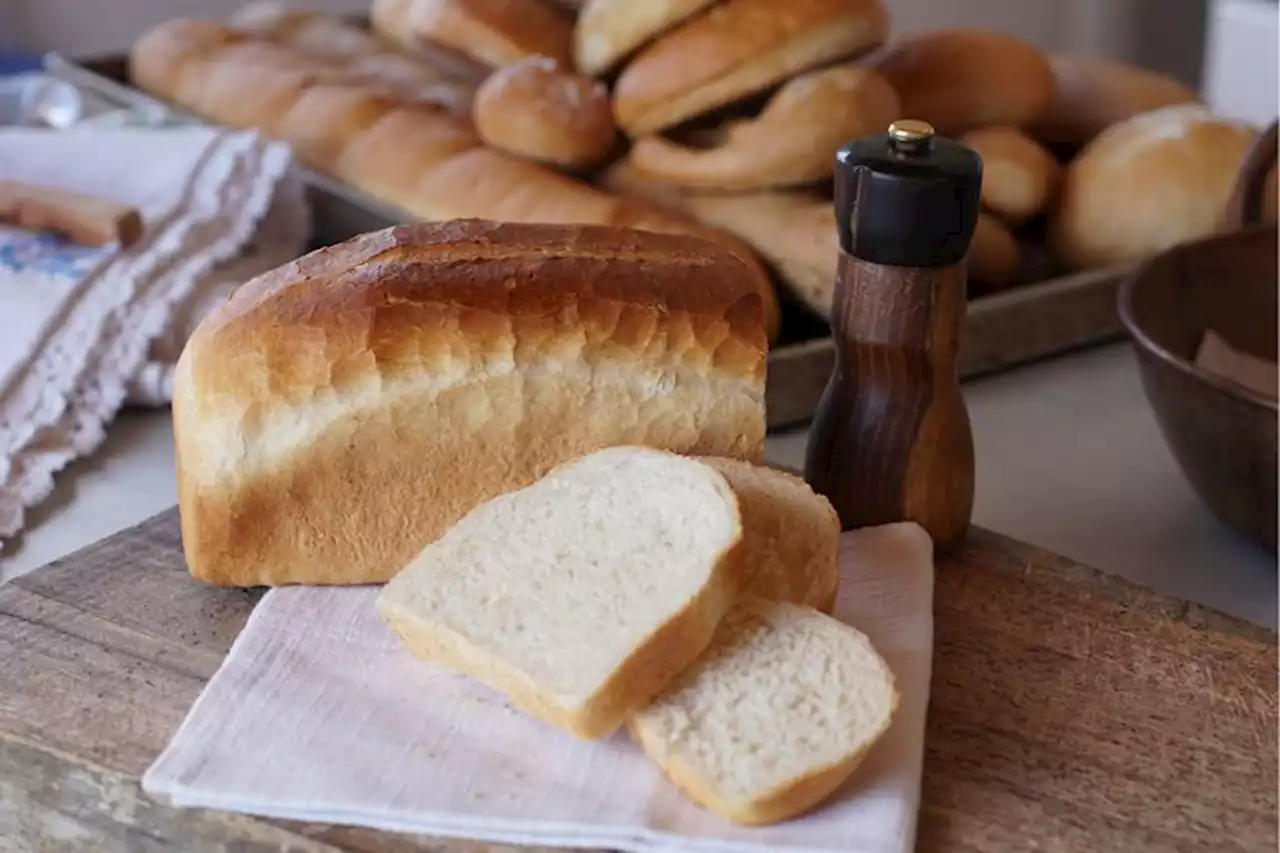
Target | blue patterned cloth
(18,63)
(48,254)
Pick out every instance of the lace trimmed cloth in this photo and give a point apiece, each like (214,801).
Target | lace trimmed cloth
(85,330)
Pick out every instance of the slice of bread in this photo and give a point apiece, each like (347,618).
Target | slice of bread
(774,717)
(790,535)
(583,595)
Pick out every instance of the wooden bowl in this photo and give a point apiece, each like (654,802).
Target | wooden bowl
(1223,435)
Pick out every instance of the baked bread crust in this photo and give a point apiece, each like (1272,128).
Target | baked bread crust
(535,108)
(735,49)
(959,79)
(488,32)
(341,412)
(410,152)
(793,140)
(607,31)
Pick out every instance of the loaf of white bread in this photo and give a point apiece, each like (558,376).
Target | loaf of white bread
(673,594)
(341,412)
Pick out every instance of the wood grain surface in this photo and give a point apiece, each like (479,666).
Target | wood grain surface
(1071,711)
(890,439)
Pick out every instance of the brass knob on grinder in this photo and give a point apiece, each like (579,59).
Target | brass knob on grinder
(890,440)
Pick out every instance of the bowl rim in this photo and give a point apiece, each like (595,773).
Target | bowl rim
(1139,335)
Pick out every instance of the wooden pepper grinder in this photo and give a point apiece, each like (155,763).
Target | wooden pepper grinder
(890,440)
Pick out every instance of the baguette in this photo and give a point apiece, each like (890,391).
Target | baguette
(341,412)
(583,595)
(774,717)
(328,38)
(411,153)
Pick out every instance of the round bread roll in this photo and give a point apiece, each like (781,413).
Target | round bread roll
(793,141)
(535,109)
(1092,93)
(993,254)
(960,79)
(1018,175)
(1148,183)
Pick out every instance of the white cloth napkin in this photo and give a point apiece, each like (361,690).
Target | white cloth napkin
(318,714)
(84,329)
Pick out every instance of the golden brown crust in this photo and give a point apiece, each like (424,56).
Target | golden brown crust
(409,152)
(490,32)
(959,79)
(609,30)
(793,141)
(1157,179)
(534,108)
(1092,93)
(794,231)
(1019,176)
(737,48)
(650,215)
(342,411)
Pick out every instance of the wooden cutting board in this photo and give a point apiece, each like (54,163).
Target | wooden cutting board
(1071,711)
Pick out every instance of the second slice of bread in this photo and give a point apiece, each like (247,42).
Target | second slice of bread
(790,535)
(774,717)
(582,596)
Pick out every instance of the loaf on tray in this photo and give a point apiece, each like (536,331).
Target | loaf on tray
(339,413)
(411,152)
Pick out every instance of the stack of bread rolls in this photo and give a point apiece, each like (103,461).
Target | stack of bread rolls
(719,117)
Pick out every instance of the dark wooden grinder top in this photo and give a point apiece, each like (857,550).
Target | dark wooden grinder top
(890,440)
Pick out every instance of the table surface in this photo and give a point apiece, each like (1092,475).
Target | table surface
(1069,459)
(1069,710)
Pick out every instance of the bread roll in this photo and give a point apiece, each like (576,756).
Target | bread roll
(993,254)
(339,413)
(535,109)
(607,31)
(489,33)
(1092,93)
(959,79)
(1019,176)
(793,141)
(583,595)
(1153,181)
(735,49)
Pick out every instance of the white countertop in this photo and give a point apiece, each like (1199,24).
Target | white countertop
(1100,488)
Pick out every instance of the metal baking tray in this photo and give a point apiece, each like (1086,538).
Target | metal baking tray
(1021,325)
